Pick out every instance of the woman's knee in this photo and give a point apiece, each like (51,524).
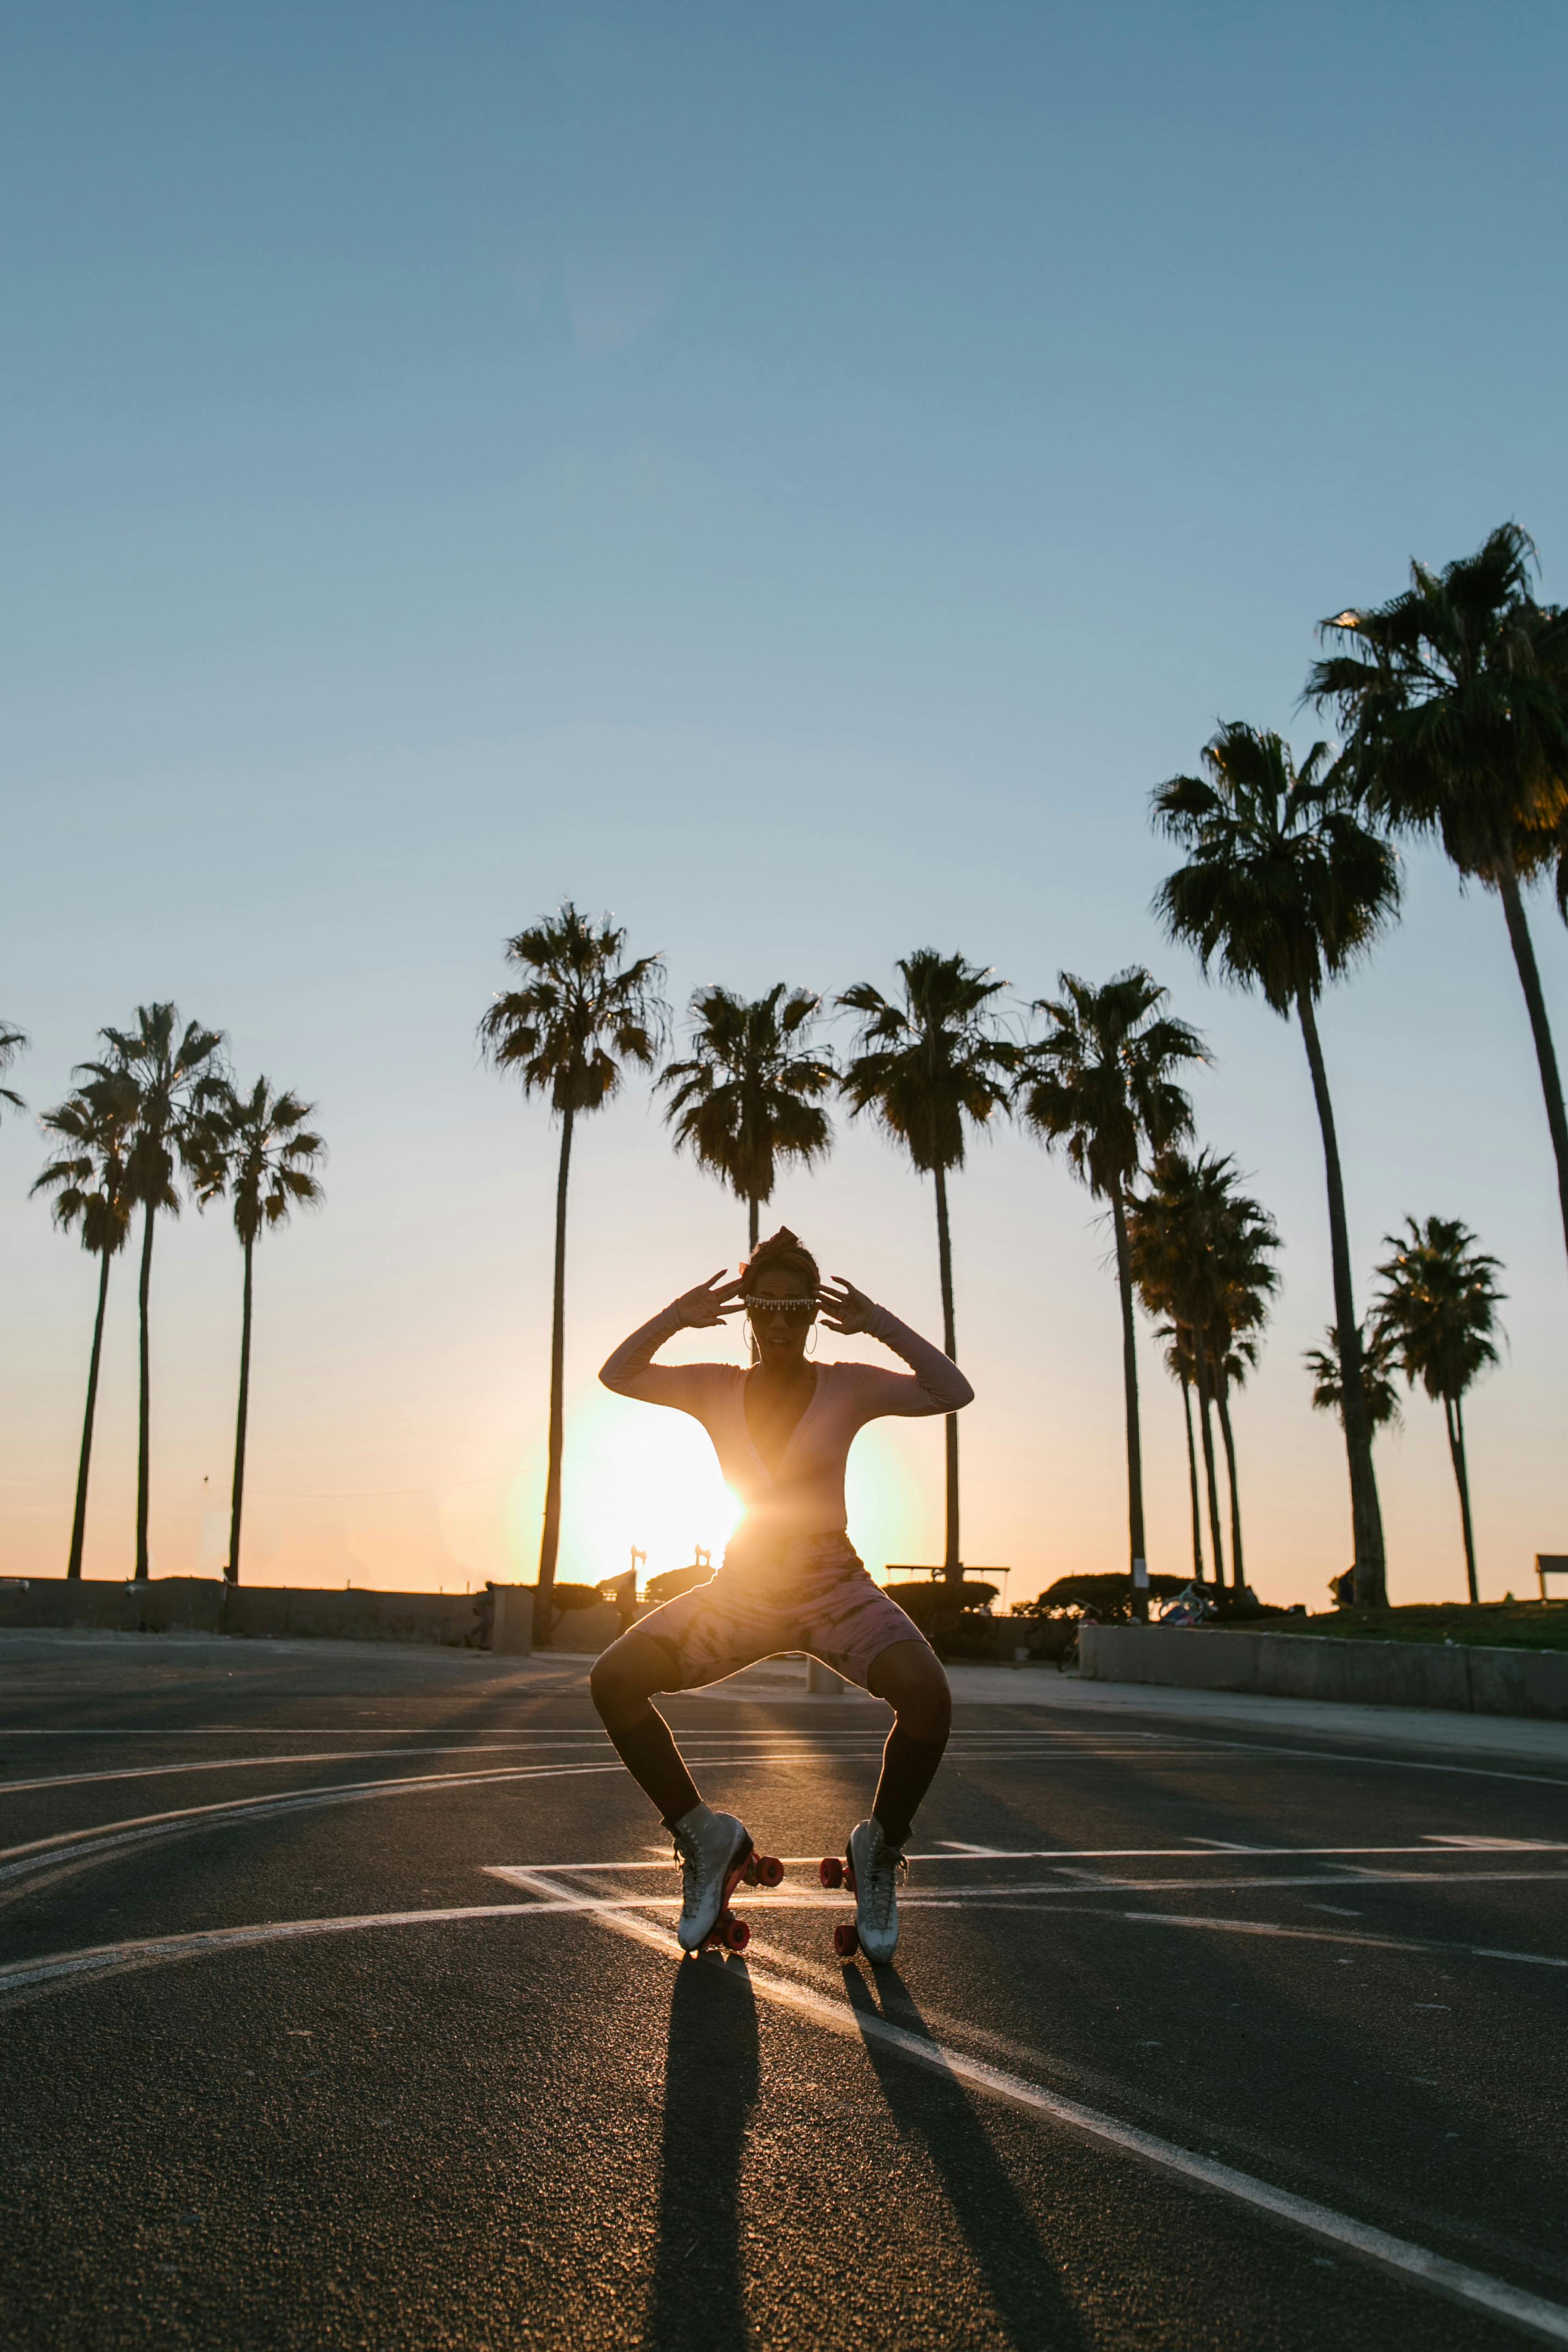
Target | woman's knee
(613,1681)
(909,1678)
(623,1678)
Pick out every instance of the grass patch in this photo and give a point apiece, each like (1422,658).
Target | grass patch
(1492,1625)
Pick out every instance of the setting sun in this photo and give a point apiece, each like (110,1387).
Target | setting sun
(645,1479)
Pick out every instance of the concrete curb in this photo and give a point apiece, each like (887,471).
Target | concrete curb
(1467,1681)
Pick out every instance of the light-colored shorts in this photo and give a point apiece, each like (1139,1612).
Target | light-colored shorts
(821,1601)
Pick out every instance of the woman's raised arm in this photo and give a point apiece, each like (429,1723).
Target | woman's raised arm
(937,1385)
(630,1370)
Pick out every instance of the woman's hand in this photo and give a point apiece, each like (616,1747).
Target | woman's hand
(846,1309)
(708,1303)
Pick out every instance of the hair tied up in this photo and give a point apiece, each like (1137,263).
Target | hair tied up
(784,1253)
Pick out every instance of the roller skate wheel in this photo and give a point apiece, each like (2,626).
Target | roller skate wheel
(769,1871)
(830,1870)
(849,1879)
(737,1935)
(845,1941)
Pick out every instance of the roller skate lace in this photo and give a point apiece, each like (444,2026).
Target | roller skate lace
(689,1854)
(882,1893)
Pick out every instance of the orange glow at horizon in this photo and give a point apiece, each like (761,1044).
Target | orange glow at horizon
(633,1476)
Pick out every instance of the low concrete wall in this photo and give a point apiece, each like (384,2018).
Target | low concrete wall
(300,1612)
(1306,1666)
(584,1632)
(203,1604)
(165,1604)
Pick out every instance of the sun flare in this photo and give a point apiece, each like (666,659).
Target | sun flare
(642,1479)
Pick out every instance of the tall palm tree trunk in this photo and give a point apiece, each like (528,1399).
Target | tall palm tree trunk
(237,1504)
(753,1222)
(79,1518)
(952,1564)
(1453,1415)
(1138,1555)
(550,1540)
(144,1402)
(1205,1424)
(1367,1518)
(1222,1405)
(1523,947)
(1193,1480)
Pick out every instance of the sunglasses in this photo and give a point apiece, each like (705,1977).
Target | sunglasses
(758,1304)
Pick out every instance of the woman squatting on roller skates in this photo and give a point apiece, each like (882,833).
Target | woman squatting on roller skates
(791,1579)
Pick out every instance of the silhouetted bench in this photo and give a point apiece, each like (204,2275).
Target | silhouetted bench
(1550,1563)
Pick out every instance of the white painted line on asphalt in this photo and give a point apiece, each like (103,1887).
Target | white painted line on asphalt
(1098,1854)
(71,1846)
(145,1952)
(1008,1892)
(1269,1927)
(61,1968)
(250,1763)
(1079,1882)
(1398,2255)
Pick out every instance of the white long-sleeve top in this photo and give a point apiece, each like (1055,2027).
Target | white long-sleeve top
(806,1496)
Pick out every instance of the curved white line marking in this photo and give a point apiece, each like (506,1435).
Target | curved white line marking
(251,1763)
(60,1968)
(74,1846)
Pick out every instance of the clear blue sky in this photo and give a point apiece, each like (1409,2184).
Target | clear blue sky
(796,477)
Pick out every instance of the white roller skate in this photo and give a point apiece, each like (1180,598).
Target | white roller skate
(871,1870)
(714,1851)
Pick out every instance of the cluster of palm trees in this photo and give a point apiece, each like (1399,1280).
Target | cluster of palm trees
(155,1117)
(1434,1319)
(1454,701)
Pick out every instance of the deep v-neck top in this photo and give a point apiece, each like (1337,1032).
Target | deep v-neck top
(773,1469)
(805,1496)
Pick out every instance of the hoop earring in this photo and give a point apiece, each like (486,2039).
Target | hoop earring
(811,1343)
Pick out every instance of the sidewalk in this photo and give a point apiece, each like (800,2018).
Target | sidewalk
(1148,1705)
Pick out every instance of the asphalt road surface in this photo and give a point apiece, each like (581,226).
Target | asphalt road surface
(341,2007)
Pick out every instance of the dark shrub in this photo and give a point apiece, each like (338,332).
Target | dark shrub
(675,1582)
(926,1602)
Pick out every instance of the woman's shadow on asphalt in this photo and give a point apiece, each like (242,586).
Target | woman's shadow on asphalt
(712,2082)
(929,2103)
(710,2087)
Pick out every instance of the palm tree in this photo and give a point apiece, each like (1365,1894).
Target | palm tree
(88,1180)
(1202,1253)
(1378,1357)
(1457,701)
(1437,1312)
(1099,1085)
(1179,1364)
(1283,888)
(580,1012)
(258,1151)
(13,1041)
(929,1065)
(174,1081)
(748,1096)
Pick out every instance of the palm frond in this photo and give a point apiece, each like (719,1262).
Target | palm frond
(931,1062)
(1285,884)
(581,1012)
(255,1150)
(1099,1085)
(748,1095)
(1436,1312)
